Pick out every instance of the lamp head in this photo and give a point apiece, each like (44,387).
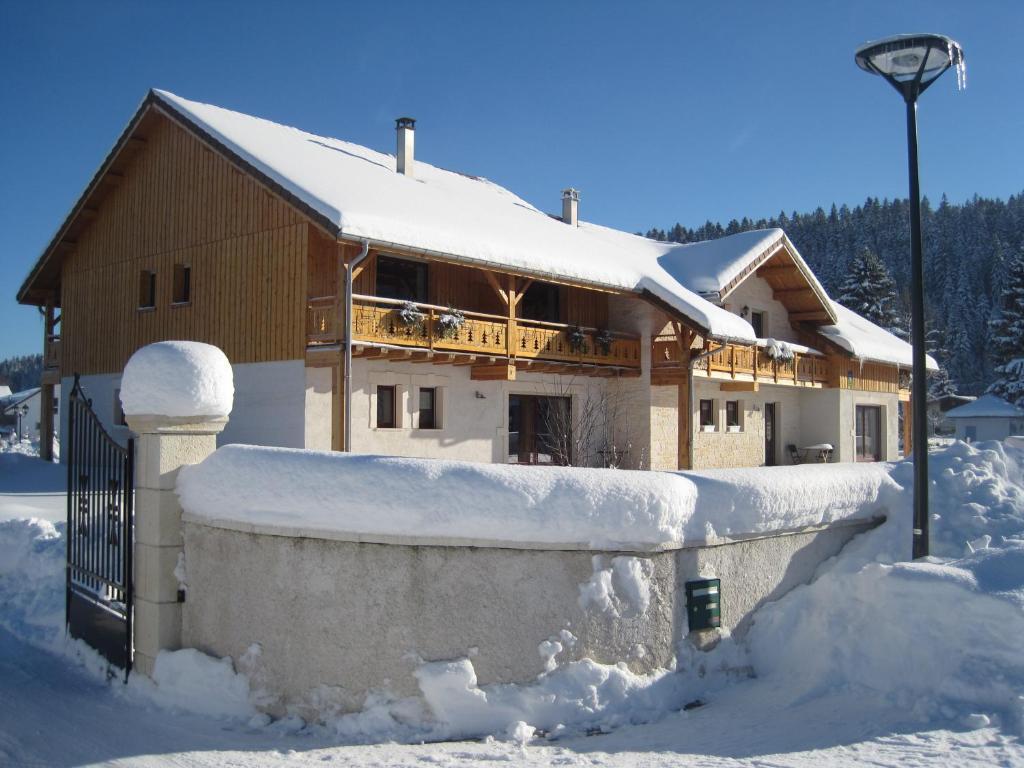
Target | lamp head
(912,62)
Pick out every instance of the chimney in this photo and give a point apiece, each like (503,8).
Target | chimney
(571,206)
(406,128)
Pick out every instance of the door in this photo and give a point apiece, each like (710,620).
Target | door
(539,430)
(769,435)
(869,432)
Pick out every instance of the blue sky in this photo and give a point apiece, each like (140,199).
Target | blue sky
(657,112)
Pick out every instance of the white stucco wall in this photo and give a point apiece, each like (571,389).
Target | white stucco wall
(269,404)
(347,618)
(474,414)
(319,403)
(849,399)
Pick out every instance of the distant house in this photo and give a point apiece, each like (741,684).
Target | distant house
(23,411)
(939,407)
(987,418)
(376,303)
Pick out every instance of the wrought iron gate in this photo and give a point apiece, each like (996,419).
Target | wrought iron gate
(101,488)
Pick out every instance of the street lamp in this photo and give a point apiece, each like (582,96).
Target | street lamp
(22,411)
(910,63)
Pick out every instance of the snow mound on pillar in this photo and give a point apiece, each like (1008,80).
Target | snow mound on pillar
(178,379)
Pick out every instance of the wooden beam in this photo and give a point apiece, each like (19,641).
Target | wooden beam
(494,284)
(465,360)
(739,386)
(499,372)
(522,290)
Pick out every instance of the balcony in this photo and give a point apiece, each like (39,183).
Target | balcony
(396,324)
(51,352)
(733,362)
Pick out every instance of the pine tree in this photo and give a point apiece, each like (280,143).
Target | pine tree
(1007,335)
(870,291)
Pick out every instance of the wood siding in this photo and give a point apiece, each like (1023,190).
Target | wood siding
(182,203)
(868,377)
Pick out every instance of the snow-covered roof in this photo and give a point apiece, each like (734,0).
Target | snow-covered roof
(864,339)
(9,401)
(711,265)
(986,407)
(359,192)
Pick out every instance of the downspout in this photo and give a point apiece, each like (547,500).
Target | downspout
(690,388)
(347,447)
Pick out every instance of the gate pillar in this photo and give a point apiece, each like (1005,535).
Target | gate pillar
(191,385)
(163,446)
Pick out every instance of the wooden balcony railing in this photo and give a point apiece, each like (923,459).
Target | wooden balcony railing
(381,320)
(733,360)
(51,352)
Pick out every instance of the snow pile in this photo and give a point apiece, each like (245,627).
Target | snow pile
(623,590)
(192,681)
(312,493)
(32,562)
(940,638)
(862,338)
(178,379)
(578,697)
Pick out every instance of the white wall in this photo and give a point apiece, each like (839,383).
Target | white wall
(849,399)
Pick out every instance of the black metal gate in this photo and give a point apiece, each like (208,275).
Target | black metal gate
(101,484)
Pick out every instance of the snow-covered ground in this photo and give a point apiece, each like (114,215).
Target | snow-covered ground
(878,662)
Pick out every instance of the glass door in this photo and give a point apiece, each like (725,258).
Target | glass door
(869,432)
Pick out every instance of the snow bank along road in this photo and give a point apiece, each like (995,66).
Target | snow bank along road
(843,688)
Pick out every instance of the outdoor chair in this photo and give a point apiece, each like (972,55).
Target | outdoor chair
(794,454)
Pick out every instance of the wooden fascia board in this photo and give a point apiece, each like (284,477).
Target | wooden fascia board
(81,203)
(126,139)
(783,245)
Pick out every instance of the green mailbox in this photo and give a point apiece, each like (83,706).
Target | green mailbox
(702,604)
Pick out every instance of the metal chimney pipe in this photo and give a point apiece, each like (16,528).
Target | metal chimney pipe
(406,128)
(571,207)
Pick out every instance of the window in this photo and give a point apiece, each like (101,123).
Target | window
(402,279)
(119,419)
(387,414)
(147,289)
(868,420)
(732,413)
(182,284)
(757,321)
(541,302)
(707,413)
(428,409)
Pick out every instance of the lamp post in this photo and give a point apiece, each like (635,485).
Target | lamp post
(910,63)
(21,410)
